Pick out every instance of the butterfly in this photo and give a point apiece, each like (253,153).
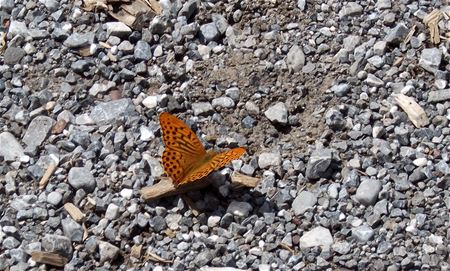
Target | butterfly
(185,159)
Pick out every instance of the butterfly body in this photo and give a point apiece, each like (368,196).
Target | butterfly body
(185,159)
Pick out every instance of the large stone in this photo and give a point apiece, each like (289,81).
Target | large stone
(277,114)
(317,237)
(10,148)
(304,201)
(367,192)
(107,112)
(37,132)
(81,178)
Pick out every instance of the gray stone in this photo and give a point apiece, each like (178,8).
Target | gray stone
(81,178)
(295,58)
(72,229)
(203,258)
(37,132)
(80,66)
(363,233)
(268,159)
(367,192)
(118,29)
(350,9)
(277,114)
(209,32)
(142,51)
(342,247)
(107,112)
(10,242)
(57,243)
(13,55)
(379,48)
(189,8)
(304,201)
(383,4)
(202,109)
(239,208)
(54,198)
(430,59)
(11,148)
(335,120)
(301,4)
(150,102)
(18,28)
(317,237)
(7,5)
(158,223)
(341,89)
(224,102)
(374,81)
(51,5)
(221,23)
(320,164)
(397,34)
(76,40)
(107,251)
(112,212)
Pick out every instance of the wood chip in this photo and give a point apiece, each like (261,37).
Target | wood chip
(150,256)
(410,34)
(50,258)
(432,20)
(241,180)
(48,173)
(414,111)
(166,188)
(74,212)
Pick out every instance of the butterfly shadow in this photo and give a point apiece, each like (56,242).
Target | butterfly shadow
(220,199)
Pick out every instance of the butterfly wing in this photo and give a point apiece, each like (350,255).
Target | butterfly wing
(183,148)
(217,161)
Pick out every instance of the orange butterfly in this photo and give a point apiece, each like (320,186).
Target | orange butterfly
(185,159)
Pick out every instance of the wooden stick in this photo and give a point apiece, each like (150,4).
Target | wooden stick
(166,188)
(48,258)
(414,111)
(48,173)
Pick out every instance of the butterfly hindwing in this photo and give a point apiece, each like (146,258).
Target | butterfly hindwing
(183,151)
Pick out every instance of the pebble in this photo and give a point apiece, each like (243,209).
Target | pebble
(112,212)
(37,132)
(295,58)
(363,233)
(72,229)
(150,102)
(81,178)
(277,113)
(11,149)
(77,40)
(269,159)
(367,192)
(209,32)
(224,102)
(202,109)
(319,164)
(142,51)
(13,55)
(107,251)
(303,202)
(117,29)
(54,198)
(239,208)
(317,237)
(104,113)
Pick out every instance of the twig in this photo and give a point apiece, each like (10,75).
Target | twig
(48,173)
(166,188)
(48,258)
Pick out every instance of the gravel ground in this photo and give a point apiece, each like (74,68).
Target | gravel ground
(347,181)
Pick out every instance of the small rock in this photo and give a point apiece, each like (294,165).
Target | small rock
(350,9)
(304,201)
(268,159)
(18,28)
(150,102)
(13,55)
(209,32)
(430,59)
(37,132)
(117,29)
(362,233)
(295,58)
(72,229)
(397,34)
(277,114)
(374,81)
(11,148)
(54,198)
(142,51)
(189,8)
(76,40)
(81,178)
(239,208)
(367,192)
(202,109)
(105,113)
(320,164)
(112,212)
(57,243)
(107,251)
(317,237)
(224,102)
